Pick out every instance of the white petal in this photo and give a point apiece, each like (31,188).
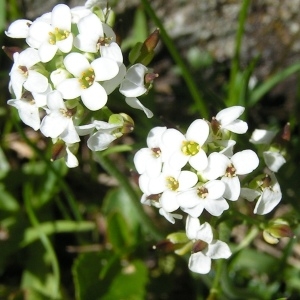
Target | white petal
(39,31)
(86,43)
(146,162)
(186,180)
(228,115)
(28,112)
(177,160)
(135,103)
(55,101)
(112,51)
(273,160)
(189,199)
(245,161)
(198,131)
(94,97)
(71,160)
(205,233)
(112,84)
(136,74)
(85,129)
(70,88)
(91,21)
(53,125)
(16,80)
(76,64)
(168,201)
(267,202)
(154,137)
(261,136)
(237,126)
(218,249)
(170,217)
(199,161)
(217,165)
(29,57)
(36,82)
(191,227)
(18,29)
(100,141)
(195,211)
(233,188)
(104,68)
(47,51)
(216,189)
(70,135)
(199,263)
(129,89)
(61,17)
(65,45)
(216,206)
(249,194)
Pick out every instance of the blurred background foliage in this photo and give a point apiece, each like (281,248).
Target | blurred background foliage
(82,233)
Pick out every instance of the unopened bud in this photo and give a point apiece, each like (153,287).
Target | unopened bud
(152,40)
(10,51)
(128,125)
(278,228)
(58,150)
(149,77)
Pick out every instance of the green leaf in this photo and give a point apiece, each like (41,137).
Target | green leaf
(130,283)
(86,270)
(7,201)
(118,231)
(4,165)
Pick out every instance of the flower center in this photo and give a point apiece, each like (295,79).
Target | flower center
(172,183)
(199,246)
(87,78)
(156,152)
(58,35)
(67,113)
(230,171)
(23,70)
(202,192)
(104,41)
(190,148)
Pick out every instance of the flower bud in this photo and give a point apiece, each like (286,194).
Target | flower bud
(152,40)
(10,51)
(276,229)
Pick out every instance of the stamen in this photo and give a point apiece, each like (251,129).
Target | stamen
(190,148)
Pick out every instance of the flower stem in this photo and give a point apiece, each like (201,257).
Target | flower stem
(111,168)
(44,240)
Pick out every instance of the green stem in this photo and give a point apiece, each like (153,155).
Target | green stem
(197,97)
(111,168)
(235,63)
(252,234)
(67,191)
(215,288)
(44,240)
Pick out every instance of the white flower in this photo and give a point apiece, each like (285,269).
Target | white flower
(28,107)
(205,247)
(273,160)
(188,148)
(269,195)
(70,158)
(133,84)
(94,36)
(228,119)
(58,121)
(168,184)
(87,75)
(23,73)
(48,38)
(149,160)
(241,163)
(103,137)
(208,196)
(18,29)
(262,136)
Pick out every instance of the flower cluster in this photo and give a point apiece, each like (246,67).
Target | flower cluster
(198,171)
(64,76)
